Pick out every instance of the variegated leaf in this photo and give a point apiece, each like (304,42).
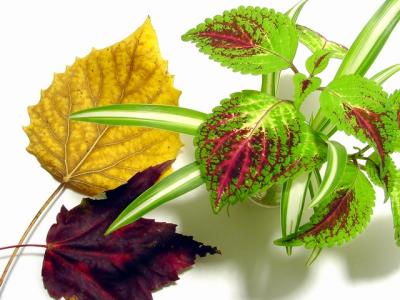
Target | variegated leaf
(250,40)
(340,217)
(360,107)
(303,87)
(251,142)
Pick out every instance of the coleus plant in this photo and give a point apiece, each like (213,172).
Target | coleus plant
(257,146)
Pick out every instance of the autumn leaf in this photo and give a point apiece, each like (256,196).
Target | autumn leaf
(92,158)
(132,262)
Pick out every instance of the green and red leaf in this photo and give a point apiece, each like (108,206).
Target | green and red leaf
(340,216)
(303,87)
(251,142)
(318,61)
(248,39)
(82,263)
(360,107)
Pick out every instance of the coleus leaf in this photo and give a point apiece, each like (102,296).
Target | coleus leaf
(394,105)
(81,263)
(250,40)
(360,107)
(395,201)
(318,61)
(381,174)
(303,87)
(340,217)
(315,42)
(373,169)
(251,142)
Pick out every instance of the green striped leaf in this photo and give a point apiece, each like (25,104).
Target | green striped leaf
(294,12)
(292,204)
(385,74)
(337,161)
(171,187)
(166,117)
(371,39)
(315,183)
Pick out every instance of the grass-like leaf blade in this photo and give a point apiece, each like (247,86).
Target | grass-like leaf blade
(167,189)
(294,12)
(385,74)
(292,204)
(337,160)
(172,118)
(371,39)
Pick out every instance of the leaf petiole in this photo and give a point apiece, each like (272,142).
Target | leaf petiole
(23,246)
(58,191)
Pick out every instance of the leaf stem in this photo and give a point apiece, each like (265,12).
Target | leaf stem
(49,201)
(360,152)
(268,84)
(294,68)
(23,246)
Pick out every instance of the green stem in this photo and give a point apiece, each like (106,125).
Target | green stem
(268,84)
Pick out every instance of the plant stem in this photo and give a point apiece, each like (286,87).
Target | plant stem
(23,246)
(53,196)
(268,84)
(294,69)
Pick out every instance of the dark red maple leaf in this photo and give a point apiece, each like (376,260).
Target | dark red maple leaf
(129,264)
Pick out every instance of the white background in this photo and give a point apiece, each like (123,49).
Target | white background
(38,38)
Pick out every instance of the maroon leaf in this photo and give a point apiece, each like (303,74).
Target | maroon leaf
(129,264)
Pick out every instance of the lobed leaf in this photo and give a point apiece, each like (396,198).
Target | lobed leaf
(251,142)
(340,216)
(81,263)
(316,42)
(250,40)
(360,107)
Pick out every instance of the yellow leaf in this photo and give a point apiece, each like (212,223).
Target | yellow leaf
(92,158)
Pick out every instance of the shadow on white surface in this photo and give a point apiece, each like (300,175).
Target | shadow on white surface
(374,254)
(246,241)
